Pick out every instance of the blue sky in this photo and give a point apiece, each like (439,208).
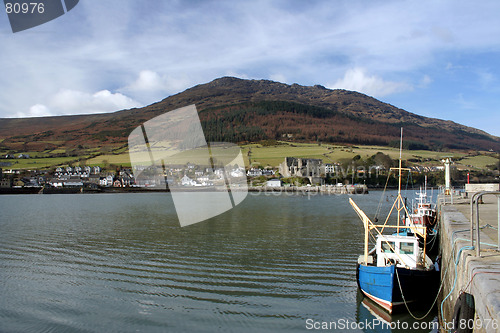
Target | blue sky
(434,58)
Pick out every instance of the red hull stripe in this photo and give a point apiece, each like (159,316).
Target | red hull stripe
(385,304)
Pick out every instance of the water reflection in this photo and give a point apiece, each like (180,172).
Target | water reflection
(372,318)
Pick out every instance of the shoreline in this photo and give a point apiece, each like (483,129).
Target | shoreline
(356,189)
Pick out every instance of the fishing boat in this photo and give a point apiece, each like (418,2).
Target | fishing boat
(397,271)
(423,213)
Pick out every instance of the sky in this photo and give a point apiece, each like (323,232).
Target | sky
(437,58)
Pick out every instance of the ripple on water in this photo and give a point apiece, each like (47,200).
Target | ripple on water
(122,263)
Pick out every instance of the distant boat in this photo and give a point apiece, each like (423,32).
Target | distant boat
(423,213)
(397,270)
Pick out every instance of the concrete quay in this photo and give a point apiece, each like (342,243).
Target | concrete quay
(462,270)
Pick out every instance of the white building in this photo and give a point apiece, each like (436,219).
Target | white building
(254,172)
(236,173)
(274,183)
(106,181)
(329,168)
(186,181)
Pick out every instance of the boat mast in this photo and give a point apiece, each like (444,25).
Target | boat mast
(398,205)
(399,180)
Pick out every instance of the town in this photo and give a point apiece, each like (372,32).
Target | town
(292,172)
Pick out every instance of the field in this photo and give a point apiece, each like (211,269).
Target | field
(104,160)
(273,155)
(38,163)
(479,162)
(264,155)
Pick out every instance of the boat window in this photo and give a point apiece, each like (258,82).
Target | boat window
(406,248)
(388,247)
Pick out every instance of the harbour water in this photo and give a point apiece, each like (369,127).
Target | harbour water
(122,263)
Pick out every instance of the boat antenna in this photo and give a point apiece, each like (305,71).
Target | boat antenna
(399,178)
(400,147)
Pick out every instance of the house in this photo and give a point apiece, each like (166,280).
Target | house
(94,179)
(106,181)
(186,181)
(125,172)
(55,182)
(18,183)
(300,167)
(237,172)
(42,180)
(103,181)
(117,183)
(254,172)
(6,182)
(204,181)
(329,168)
(73,182)
(219,173)
(23,156)
(274,183)
(97,170)
(32,182)
(267,172)
(126,180)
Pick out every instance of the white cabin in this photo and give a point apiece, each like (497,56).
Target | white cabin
(402,250)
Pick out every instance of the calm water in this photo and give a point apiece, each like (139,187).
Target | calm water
(120,262)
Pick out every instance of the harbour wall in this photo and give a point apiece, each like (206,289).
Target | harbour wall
(463,271)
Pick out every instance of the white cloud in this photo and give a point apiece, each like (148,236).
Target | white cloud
(147,80)
(37,110)
(486,78)
(150,86)
(278,78)
(465,103)
(78,102)
(356,79)
(161,48)
(238,75)
(425,81)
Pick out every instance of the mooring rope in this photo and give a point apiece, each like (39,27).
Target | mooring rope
(433,303)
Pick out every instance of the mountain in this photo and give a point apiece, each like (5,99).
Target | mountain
(238,110)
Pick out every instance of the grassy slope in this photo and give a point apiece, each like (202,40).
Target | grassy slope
(273,155)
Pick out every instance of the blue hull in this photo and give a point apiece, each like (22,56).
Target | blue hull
(380,284)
